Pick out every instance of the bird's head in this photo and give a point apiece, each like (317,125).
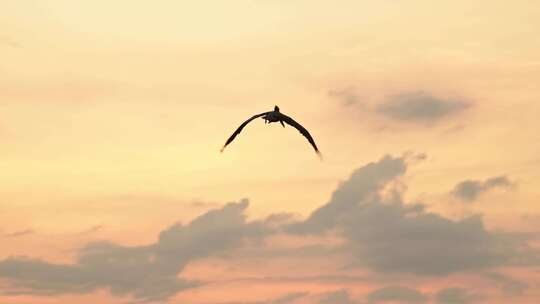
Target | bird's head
(276,108)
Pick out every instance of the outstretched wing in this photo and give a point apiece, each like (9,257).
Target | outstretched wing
(302,130)
(240,129)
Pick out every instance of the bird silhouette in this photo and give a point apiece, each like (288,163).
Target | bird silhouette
(275,116)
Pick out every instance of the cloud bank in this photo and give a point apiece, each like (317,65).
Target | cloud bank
(380,232)
(148,273)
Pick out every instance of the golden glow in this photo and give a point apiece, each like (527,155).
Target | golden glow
(112,113)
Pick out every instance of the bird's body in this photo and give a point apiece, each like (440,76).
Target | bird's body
(275,116)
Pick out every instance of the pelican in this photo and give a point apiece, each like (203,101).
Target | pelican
(275,116)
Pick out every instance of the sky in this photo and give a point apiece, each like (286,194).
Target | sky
(113,189)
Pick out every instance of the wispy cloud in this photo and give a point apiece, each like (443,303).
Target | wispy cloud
(9,42)
(398,294)
(20,233)
(285,299)
(348,96)
(336,297)
(334,279)
(509,286)
(92,229)
(419,107)
(203,204)
(455,295)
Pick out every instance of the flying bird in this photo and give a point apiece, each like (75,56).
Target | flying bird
(275,116)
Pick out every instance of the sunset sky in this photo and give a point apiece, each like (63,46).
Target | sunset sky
(113,189)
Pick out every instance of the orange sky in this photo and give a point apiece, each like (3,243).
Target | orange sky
(112,115)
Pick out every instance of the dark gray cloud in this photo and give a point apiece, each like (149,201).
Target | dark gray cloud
(419,107)
(387,235)
(362,186)
(469,190)
(148,273)
(400,294)
(336,297)
(456,296)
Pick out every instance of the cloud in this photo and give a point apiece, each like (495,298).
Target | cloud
(387,235)
(9,42)
(369,224)
(394,294)
(336,297)
(332,279)
(92,229)
(419,107)
(286,299)
(289,298)
(508,285)
(20,233)
(75,92)
(149,272)
(203,204)
(347,96)
(455,296)
(363,185)
(469,190)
